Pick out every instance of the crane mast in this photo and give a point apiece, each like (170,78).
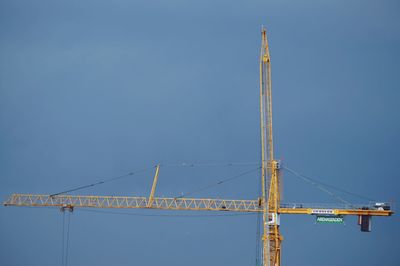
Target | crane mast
(269,166)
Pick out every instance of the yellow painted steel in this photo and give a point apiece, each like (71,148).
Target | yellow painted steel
(153,187)
(271,192)
(122,202)
(264,163)
(354,212)
(184,204)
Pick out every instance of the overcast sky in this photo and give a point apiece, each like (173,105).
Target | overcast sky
(97,89)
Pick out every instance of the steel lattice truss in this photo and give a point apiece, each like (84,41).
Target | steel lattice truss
(134,202)
(188,204)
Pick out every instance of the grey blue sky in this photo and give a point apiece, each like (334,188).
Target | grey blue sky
(96,89)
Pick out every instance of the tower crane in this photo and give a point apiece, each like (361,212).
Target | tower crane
(269,204)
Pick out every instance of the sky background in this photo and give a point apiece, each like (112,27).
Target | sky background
(96,89)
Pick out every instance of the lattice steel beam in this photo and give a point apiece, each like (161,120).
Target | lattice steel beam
(192,204)
(133,202)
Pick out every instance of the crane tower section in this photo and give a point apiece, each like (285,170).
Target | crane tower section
(269,166)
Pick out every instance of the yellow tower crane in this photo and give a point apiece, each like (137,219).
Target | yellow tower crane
(269,204)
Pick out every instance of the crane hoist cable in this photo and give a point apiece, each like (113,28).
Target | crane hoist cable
(153,215)
(191,164)
(132,173)
(321,185)
(169,215)
(67,243)
(219,182)
(258,239)
(65,237)
(318,186)
(258,232)
(107,180)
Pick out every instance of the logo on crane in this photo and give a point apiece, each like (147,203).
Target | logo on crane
(322,211)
